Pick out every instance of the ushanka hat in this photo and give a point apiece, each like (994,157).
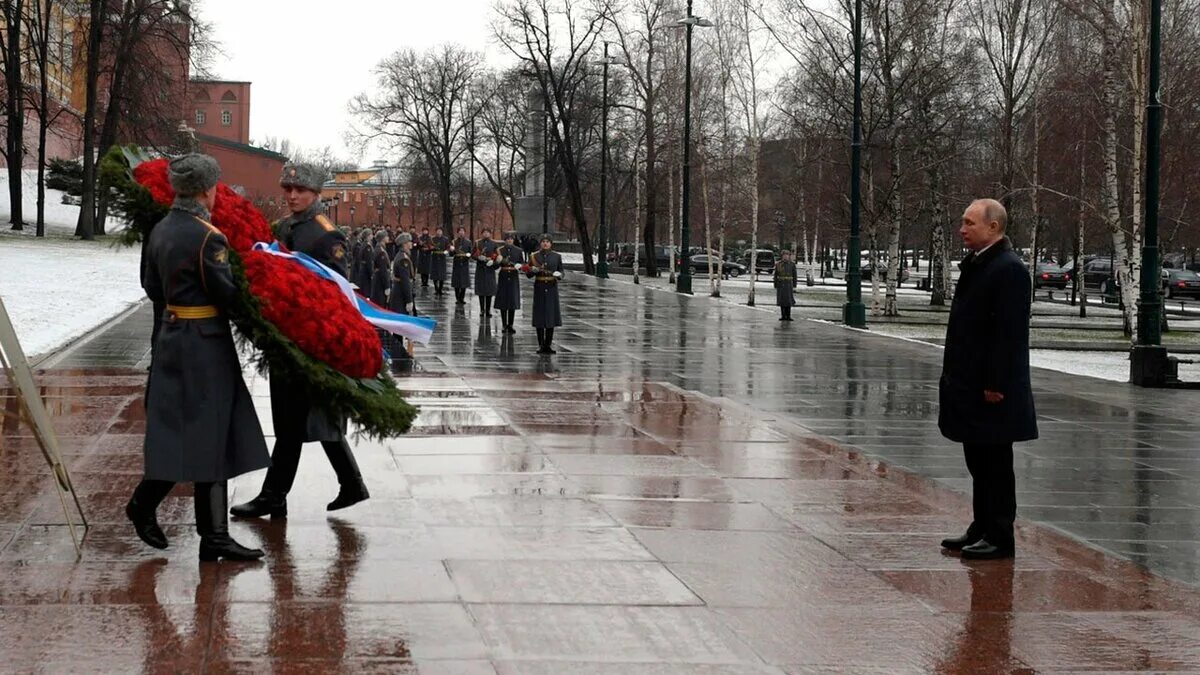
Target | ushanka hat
(193,173)
(306,176)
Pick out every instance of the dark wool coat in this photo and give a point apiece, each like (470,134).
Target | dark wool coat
(402,286)
(508,286)
(485,275)
(461,276)
(424,254)
(381,275)
(312,233)
(546,312)
(987,348)
(200,421)
(437,266)
(785,283)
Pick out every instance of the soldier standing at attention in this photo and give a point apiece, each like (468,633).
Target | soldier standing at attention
(425,256)
(485,253)
(362,261)
(437,271)
(785,285)
(460,279)
(402,278)
(508,287)
(546,268)
(200,423)
(381,269)
(299,419)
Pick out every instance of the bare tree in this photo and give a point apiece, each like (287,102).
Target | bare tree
(420,107)
(499,149)
(13,49)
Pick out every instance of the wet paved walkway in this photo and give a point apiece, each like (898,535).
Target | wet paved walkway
(729,496)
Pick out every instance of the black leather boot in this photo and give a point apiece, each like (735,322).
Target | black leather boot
(351,490)
(142,511)
(212,523)
(550,341)
(267,503)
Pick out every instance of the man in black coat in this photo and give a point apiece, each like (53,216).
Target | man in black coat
(425,255)
(785,285)
(200,422)
(298,418)
(508,284)
(985,393)
(487,254)
(437,266)
(460,278)
(546,269)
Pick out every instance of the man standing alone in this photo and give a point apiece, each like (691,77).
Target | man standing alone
(985,393)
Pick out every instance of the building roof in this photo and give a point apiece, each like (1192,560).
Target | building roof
(242,147)
(198,80)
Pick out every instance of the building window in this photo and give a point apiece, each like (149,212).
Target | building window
(226,118)
(201,118)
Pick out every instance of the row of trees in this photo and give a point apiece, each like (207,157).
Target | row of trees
(135,59)
(1039,103)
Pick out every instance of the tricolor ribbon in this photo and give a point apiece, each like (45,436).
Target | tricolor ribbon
(416,328)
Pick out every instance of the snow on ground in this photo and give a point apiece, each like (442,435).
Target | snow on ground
(57,288)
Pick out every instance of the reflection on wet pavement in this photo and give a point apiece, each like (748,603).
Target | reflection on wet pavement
(735,497)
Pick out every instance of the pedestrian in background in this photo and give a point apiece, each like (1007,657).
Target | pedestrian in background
(785,285)
(985,394)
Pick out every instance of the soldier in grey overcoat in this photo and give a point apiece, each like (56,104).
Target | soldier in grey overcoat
(200,422)
(486,256)
(424,255)
(546,270)
(298,418)
(460,278)
(402,278)
(785,285)
(508,286)
(381,269)
(361,269)
(440,244)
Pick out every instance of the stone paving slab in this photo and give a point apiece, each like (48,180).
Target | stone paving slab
(579,516)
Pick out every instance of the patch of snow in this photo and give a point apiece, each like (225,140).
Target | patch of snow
(57,289)
(60,218)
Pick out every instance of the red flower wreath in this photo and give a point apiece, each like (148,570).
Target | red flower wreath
(309,310)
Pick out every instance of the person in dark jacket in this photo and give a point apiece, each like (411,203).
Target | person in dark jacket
(381,269)
(392,245)
(785,285)
(508,286)
(460,278)
(298,418)
(361,271)
(425,255)
(546,269)
(440,244)
(402,278)
(985,393)
(200,422)
(486,253)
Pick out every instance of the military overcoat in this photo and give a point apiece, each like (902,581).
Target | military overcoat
(785,283)
(381,275)
(485,273)
(508,285)
(543,265)
(425,254)
(402,287)
(461,276)
(200,421)
(437,266)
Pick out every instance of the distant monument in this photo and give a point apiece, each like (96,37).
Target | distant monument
(533,212)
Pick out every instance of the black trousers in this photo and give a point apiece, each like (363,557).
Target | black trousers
(785,311)
(210,502)
(993,491)
(485,304)
(285,460)
(460,294)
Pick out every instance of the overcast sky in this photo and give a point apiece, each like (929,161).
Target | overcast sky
(306,65)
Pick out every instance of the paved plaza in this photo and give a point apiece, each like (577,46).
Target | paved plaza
(686,487)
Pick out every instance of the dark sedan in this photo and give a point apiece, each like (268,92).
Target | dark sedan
(700,266)
(868,271)
(1049,275)
(1181,284)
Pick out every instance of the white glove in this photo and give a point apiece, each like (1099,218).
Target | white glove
(558,275)
(490,263)
(481,258)
(452,249)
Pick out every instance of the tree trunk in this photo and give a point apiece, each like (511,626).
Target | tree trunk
(671,221)
(43,17)
(712,284)
(890,307)
(753,180)
(87,210)
(651,173)
(1035,225)
(637,212)
(15,150)
(1126,268)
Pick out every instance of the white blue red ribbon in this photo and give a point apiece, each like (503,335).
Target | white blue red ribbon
(416,328)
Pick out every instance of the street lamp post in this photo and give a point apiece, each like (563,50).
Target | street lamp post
(683,283)
(1148,364)
(351,216)
(854,313)
(602,265)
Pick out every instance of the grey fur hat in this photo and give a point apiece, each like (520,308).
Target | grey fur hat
(302,175)
(193,173)
(403,238)
(380,236)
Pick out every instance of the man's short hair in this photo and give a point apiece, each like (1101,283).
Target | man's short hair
(994,211)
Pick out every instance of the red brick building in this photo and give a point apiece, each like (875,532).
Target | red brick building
(218,112)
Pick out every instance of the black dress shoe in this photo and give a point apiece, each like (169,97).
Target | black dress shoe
(349,495)
(265,504)
(218,546)
(146,526)
(957,543)
(982,550)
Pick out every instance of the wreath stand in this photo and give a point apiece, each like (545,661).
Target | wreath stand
(32,409)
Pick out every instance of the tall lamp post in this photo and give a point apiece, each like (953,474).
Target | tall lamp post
(854,313)
(1148,364)
(683,283)
(602,265)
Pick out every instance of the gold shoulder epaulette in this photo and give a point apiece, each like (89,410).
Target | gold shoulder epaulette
(209,225)
(325,222)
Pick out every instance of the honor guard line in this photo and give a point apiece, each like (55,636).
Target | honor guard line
(16,368)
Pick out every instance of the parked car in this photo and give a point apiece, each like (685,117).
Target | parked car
(869,270)
(1049,275)
(1098,275)
(1181,283)
(700,266)
(764,260)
